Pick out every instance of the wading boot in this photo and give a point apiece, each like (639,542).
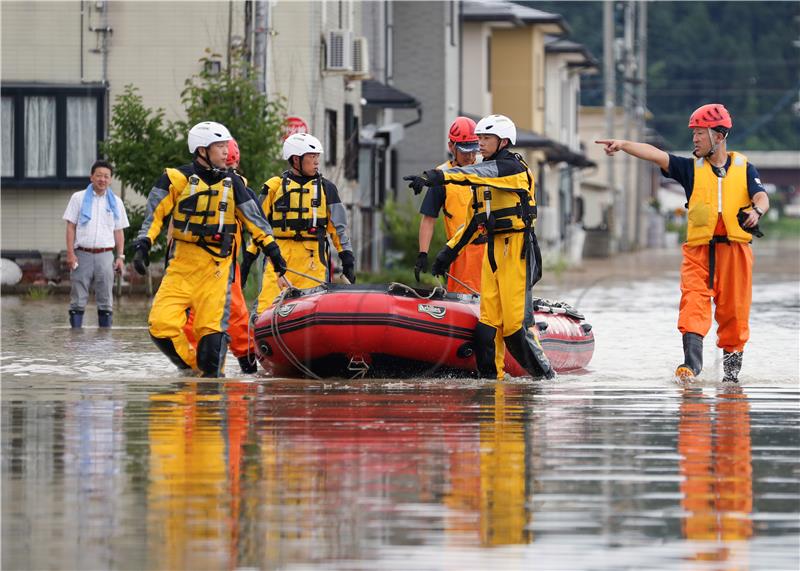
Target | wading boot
(75,318)
(168,348)
(731,365)
(526,349)
(248,363)
(211,351)
(692,357)
(104,317)
(484,351)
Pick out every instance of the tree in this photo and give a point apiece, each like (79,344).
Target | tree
(231,98)
(141,142)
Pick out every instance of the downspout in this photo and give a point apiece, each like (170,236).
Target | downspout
(83,11)
(417,120)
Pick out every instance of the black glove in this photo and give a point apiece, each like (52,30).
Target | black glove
(443,260)
(141,257)
(741,216)
(273,252)
(244,269)
(348,265)
(421,265)
(432,177)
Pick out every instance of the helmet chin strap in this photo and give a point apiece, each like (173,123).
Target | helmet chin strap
(713,143)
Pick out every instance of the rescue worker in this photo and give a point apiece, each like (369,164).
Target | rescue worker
(725,200)
(454,200)
(206,203)
(503,209)
(241,343)
(303,208)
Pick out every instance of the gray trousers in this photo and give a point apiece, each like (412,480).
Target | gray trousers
(92,267)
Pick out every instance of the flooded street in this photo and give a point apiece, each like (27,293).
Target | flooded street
(111,460)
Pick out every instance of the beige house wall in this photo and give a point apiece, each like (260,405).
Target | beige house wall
(512,75)
(156,46)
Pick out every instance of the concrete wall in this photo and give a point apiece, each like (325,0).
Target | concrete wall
(476,98)
(420,69)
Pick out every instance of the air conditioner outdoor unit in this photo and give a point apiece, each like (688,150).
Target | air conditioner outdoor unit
(339,51)
(360,57)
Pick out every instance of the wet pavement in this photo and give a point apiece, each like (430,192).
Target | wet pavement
(111,460)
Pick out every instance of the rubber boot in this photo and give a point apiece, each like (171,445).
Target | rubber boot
(692,357)
(484,350)
(166,346)
(248,364)
(76,318)
(528,353)
(731,365)
(211,351)
(104,317)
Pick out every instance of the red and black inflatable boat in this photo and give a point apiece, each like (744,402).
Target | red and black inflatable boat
(397,331)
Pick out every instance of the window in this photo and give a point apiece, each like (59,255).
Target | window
(7,122)
(350,143)
(50,135)
(331,133)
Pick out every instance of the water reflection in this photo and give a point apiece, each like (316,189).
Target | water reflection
(239,478)
(716,462)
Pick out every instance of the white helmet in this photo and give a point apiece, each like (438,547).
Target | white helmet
(299,144)
(499,125)
(207,132)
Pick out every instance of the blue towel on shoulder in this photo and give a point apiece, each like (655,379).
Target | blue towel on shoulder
(86,205)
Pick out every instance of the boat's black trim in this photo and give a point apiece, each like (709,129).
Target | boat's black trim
(375,319)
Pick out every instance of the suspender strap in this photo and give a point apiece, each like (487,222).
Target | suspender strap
(712,257)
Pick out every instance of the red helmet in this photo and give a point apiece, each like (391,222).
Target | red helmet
(713,116)
(233,153)
(462,134)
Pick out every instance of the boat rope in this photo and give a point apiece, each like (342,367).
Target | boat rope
(308,277)
(462,284)
(282,344)
(411,290)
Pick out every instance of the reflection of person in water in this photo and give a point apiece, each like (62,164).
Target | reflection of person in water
(186,499)
(491,480)
(714,442)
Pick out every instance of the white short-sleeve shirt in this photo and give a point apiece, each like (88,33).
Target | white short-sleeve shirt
(99,231)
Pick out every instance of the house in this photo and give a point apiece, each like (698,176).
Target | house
(63,64)
(518,62)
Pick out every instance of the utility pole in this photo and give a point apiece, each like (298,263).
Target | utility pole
(609,101)
(260,38)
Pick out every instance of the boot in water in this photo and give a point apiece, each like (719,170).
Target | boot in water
(731,365)
(248,364)
(75,318)
(692,357)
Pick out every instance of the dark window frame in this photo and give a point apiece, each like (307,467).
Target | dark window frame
(331,155)
(60,93)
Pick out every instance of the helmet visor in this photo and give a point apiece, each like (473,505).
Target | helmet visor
(468,147)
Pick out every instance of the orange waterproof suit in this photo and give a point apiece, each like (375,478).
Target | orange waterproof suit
(717,258)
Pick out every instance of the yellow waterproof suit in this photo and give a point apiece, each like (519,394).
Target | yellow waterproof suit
(205,206)
(504,210)
(455,201)
(303,211)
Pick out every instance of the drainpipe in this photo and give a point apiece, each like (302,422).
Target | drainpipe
(260,39)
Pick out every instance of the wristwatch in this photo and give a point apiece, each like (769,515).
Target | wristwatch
(121,256)
(758,211)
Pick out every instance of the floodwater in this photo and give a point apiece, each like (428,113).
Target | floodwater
(111,460)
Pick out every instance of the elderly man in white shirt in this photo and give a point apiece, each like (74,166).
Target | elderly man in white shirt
(95,221)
